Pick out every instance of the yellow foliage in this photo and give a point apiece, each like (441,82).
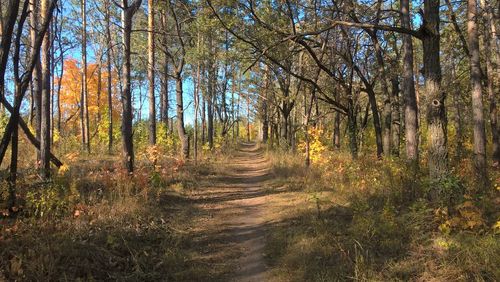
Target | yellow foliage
(316,147)
(63,169)
(496,227)
(468,217)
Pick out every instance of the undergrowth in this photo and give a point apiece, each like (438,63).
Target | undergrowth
(379,220)
(94,221)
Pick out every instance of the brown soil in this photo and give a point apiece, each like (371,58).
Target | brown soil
(232,234)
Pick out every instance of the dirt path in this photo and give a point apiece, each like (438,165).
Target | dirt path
(233,232)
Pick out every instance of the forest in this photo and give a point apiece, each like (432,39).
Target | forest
(249,140)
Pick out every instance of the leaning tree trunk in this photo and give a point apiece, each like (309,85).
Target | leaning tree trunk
(479,146)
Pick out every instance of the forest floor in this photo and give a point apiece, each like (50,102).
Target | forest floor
(235,203)
(245,214)
(203,222)
(241,204)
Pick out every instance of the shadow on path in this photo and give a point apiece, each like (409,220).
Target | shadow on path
(235,204)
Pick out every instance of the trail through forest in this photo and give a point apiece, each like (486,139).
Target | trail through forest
(236,205)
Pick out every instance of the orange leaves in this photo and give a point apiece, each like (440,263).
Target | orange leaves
(97,92)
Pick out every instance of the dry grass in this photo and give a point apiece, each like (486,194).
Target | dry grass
(95,222)
(362,228)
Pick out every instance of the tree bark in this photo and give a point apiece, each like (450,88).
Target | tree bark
(151,73)
(164,96)
(408,91)
(84,98)
(479,147)
(128,146)
(493,67)
(36,83)
(109,44)
(396,117)
(436,110)
(181,130)
(45,122)
(196,96)
(210,106)
(336,131)
(353,131)
(264,114)
(203,120)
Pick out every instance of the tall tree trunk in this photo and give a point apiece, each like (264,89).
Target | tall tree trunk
(248,118)
(264,110)
(353,130)
(396,117)
(436,110)
(458,119)
(84,98)
(128,145)
(109,44)
(492,55)
(99,92)
(61,72)
(52,77)
(479,147)
(164,102)
(151,73)
(376,122)
(36,83)
(203,121)
(181,130)
(196,97)
(336,131)
(210,105)
(387,109)
(409,95)
(45,122)
(13,168)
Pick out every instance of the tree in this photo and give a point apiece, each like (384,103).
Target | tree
(128,12)
(36,84)
(46,74)
(177,56)
(84,111)
(410,106)
(151,73)
(109,45)
(479,147)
